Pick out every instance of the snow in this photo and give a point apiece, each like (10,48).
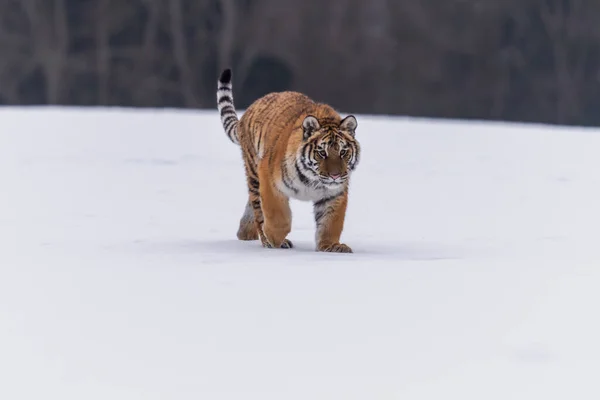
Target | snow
(475,273)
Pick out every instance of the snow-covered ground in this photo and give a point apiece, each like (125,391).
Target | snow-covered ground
(476,272)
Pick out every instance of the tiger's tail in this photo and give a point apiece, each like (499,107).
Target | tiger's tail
(229,117)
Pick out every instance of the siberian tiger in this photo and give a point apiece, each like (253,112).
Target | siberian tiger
(292,147)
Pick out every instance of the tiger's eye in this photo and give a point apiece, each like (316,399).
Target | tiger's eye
(322,154)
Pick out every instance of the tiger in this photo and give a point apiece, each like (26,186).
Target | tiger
(292,148)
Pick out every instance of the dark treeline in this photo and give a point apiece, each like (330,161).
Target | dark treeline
(521,60)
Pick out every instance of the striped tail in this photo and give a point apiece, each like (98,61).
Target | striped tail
(229,117)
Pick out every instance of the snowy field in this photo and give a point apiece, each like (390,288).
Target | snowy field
(476,272)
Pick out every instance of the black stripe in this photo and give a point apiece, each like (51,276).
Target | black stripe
(230,126)
(225,99)
(253,182)
(301,175)
(249,163)
(304,164)
(252,169)
(326,200)
(256,204)
(353,164)
(231,135)
(307,150)
(229,120)
(259,140)
(322,213)
(319,215)
(289,186)
(314,184)
(223,88)
(286,179)
(228,111)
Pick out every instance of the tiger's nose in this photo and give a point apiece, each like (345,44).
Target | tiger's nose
(335,176)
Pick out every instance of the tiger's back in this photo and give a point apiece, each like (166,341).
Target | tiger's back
(292,147)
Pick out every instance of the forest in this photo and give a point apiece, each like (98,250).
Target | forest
(514,60)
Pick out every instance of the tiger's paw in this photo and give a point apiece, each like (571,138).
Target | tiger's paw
(287,244)
(247,234)
(336,248)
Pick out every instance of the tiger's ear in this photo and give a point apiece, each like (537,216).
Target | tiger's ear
(309,125)
(349,124)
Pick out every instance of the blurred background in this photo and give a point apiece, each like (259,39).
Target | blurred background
(515,60)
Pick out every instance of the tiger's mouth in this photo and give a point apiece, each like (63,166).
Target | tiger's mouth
(333,179)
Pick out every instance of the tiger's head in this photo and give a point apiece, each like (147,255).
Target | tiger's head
(330,151)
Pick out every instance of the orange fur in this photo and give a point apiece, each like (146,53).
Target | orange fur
(271,133)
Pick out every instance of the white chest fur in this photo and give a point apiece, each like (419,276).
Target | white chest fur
(294,187)
(304,193)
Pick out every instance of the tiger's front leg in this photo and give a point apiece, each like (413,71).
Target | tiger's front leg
(329,215)
(277,215)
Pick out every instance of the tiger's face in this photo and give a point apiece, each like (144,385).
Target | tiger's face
(330,151)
